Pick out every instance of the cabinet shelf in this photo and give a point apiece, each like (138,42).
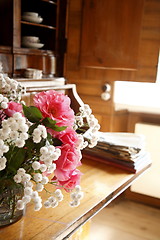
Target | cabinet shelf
(50,32)
(38,25)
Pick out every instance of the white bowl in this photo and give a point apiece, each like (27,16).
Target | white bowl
(32,45)
(30,39)
(33,14)
(32,19)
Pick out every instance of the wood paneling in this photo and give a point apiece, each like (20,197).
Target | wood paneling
(89,81)
(111,33)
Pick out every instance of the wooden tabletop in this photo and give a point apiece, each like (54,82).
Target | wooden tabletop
(101,184)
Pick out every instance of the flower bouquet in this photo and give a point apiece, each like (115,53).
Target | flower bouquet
(41,144)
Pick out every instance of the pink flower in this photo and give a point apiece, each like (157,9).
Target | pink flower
(56,106)
(73,180)
(67,162)
(13,107)
(68,136)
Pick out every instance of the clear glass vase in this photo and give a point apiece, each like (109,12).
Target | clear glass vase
(8,201)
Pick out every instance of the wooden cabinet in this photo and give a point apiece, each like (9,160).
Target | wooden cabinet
(48,57)
(111,33)
(87,63)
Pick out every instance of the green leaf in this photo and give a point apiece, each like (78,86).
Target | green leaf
(33,114)
(49,138)
(57,142)
(52,124)
(17,159)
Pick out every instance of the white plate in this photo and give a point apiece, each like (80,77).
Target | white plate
(32,45)
(32,19)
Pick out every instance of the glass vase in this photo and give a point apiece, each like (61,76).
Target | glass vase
(8,201)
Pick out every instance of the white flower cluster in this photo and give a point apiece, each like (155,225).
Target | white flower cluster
(49,154)
(81,143)
(39,133)
(11,88)
(29,194)
(24,178)
(14,131)
(86,118)
(76,196)
(54,200)
(3,102)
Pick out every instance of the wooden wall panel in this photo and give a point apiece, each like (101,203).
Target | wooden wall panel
(149,43)
(89,81)
(111,33)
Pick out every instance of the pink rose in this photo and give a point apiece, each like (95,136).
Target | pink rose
(13,107)
(56,106)
(67,162)
(68,136)
(72,181)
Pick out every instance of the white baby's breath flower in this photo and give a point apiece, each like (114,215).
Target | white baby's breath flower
(1,97)
(2,166)
(5,99)
(26,199)
(34,194)
(21,121)
(45,180)
(21,171)
(38,177)
(3,161)
(26,177)
(39,187)
(52,199)
(23,127)
(36,131)
(58,151)
(60,197)
(77,188)
(5,148)
(43,167)
(37,207)
(20,205)
(58,192)
(14,126)
(4,105)
(19,143)
(36,139)
(51,149)
(54,156)
(17,115)
(28,191)
(23,136)
(51,168)
(47,204)
(43,150)
(54,204)
(14,135)
(6,130)
(28,184)
(48,162)
(17,178)
(36,165)
(37,200)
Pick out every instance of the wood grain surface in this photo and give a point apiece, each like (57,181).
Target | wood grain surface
(101,184)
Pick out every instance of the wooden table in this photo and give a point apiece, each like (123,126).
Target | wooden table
(101,184)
